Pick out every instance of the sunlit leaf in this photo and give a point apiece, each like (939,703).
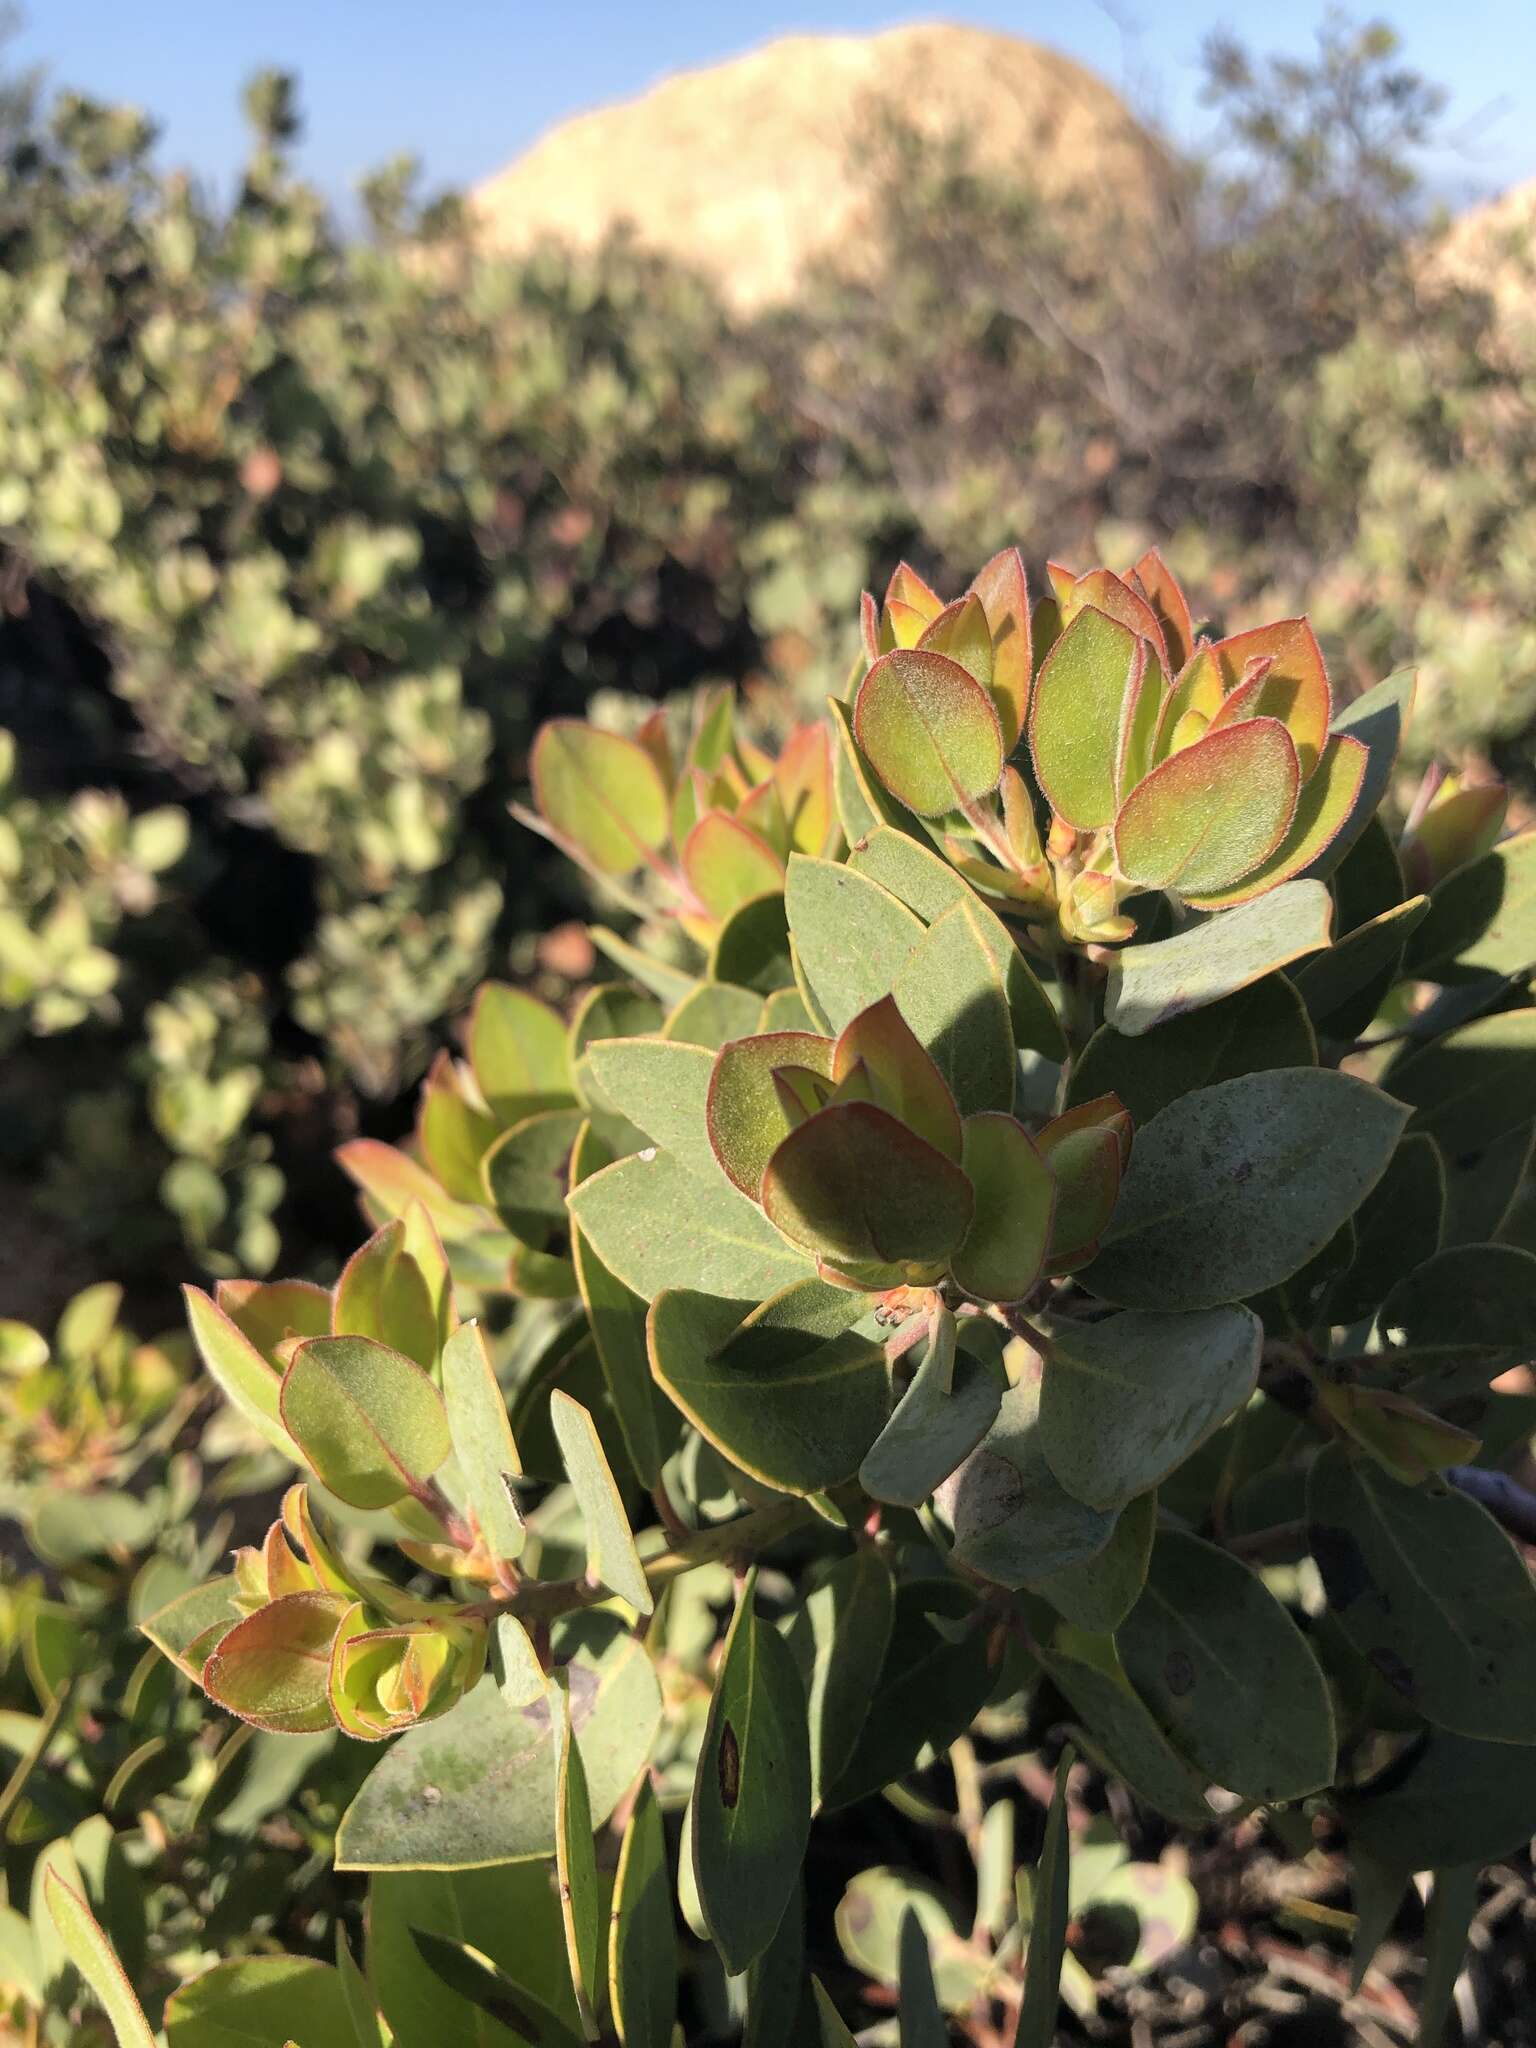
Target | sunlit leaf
(1074,721)
(1211,814)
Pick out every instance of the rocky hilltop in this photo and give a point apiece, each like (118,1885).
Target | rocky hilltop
(748,169)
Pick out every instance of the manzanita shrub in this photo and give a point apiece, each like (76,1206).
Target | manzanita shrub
(1023,1262)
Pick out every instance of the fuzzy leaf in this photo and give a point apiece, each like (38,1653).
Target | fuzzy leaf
(852,937)
(368,1419)
(793,1406)
(237,1368)
(1293,689)
(854,1185)
(1484,916)
(274,1668)
(1125,1401)
(935,1426)
(1101,1591)
(1211,814)
(1074,721)
(1013,1520)
(920,879)
(839,1638)
(654,1225)
(87,1946)
(260,1999)
(1263,1025)
(1397,1229)
(490,1773)
(951,993)
(1227,1674)
(1004,1249)
(524,1174)
(1234,1188)
(715,1012)
(1326,804)
(1004,593)
(660,1084)
(1047,1922)
(745,1120)
(728,864)
(899,1075)
(929,730)
(1366,960)
(1151,984)
(1116,1726)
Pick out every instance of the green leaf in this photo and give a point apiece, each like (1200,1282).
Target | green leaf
(1482,917)
(795,1409)
(655,1225)
(1101,1591)
(1232,1189)
(470,1975)
(1002,1253)
(453,1133)
(1344,987)
(509,1916)
(927,884)
(368,1419)
(260,2002)
(1212,813)
(930,1688)
(929,730)
(273,1668)
(383,1293)
(728,864)
(1125,1401)
(1397,1229)
(778,1993)
(872,1921)
(935,1426)
(617,1320)
(1227,1674)
(752,1794)
(670,984)
(854,1185)
(745,1117)
(519,1053)
(581,1906)
(238,1369)
(751,948)
(1474,1084)
(1452,1906)
(1152,984)
(1378,720)
(1483,1187)
(1450,1801)
(611,1557)
(523,1174)
(1431,1592)
(92,1955)
(714,1012)
(1075,717)
(478,1785)
(863,801)
(852,937)
(952,995)
(1045,1915)
(1117,1728)
(839,1638)
(833,2033)
(1263,1025)
(482,1440)
(660,1084)
(642,1948)
(1466,1314)
(601,794)
(1013,1520)
(1324,808)
(178,1629)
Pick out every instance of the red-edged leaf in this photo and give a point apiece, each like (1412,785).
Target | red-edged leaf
(600,794)
(904,1079)
(727,864)
(273,1669)
(1160,587)
(1190,705)
(1107,593)
(1324,807)
(744,1114)
(929,730)
(1074,719)
(1294,688)
(1210,815)
(1004,593)
(1005,1247)
(854,1185)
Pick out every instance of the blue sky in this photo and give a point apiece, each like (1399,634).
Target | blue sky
(379,76)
